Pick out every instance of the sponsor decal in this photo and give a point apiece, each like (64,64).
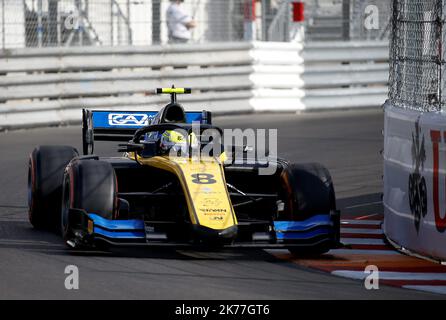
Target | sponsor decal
(417,183)
(440,222)
(203,178)
(212,202)
(206,190)
(212,211)
(128,119)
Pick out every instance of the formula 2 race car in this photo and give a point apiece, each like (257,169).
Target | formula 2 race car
(168,197)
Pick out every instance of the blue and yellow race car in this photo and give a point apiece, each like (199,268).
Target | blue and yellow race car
(165,191)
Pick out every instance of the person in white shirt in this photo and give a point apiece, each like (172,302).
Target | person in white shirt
(179,23)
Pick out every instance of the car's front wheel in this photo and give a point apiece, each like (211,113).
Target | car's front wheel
(307,190)
(89,185)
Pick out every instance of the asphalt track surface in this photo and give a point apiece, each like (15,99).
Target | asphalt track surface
(32,262)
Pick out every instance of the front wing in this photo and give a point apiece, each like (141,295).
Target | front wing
(323,229)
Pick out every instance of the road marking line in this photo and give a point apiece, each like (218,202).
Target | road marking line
(361,231)
(364,227)
(363,204)
(391,275)
(369,241)
(364,251)
(362,236)
(362,222)
(369,247)
(368,216)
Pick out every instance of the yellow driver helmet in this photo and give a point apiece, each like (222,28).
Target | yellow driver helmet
(177,142)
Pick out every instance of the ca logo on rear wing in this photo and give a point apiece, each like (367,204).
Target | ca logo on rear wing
(128,120)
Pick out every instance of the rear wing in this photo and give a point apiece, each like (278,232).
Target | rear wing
(120,126)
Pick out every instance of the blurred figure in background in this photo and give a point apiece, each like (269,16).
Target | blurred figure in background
(179,23)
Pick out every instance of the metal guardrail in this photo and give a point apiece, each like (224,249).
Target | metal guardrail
(345,74)
(51,85)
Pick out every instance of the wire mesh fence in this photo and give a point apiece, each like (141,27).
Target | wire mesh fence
(347,19)
(416,55)
(46,23)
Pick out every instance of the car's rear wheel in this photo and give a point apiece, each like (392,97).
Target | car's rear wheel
(89,185)
(307,190)
(45,176)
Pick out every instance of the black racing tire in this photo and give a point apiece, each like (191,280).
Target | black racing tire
(45,176)
(89,185)
(307,190)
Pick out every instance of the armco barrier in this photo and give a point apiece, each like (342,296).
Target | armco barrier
(345,74)
(414,181)
(51,85)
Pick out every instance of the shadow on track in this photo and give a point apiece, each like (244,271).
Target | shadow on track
(21,235)
(17,233)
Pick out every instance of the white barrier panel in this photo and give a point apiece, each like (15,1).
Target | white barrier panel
(49,86)
(414,181)
(345,74)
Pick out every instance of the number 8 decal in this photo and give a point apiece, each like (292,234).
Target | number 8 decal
(203,178)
